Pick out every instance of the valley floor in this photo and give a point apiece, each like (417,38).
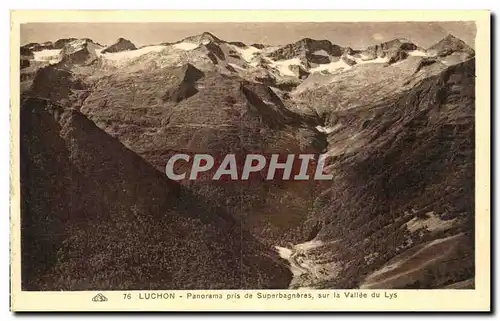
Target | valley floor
(310,269)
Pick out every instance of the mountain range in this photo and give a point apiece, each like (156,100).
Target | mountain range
(98,124)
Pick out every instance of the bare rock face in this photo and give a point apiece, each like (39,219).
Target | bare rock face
(121,44)
(26,55)
(389,48)
(268,105)
(184,109)
(299,71)
(55,84)
(61,43)
(78,52)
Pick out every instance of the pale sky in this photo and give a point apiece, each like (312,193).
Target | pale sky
(353,34)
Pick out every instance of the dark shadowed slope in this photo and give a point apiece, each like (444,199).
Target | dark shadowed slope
(97,216)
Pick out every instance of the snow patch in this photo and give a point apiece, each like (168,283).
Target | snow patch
(185,46)
(284,252)
(126,55)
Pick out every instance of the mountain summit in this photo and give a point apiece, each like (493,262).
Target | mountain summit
(396,120)
(130,227)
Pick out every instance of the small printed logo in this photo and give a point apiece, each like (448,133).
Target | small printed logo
(99,298)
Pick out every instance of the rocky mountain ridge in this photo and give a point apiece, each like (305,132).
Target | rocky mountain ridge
(390,116)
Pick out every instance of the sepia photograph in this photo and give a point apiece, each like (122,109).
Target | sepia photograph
(290,156)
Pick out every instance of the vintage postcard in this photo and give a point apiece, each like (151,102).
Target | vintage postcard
(250,161)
